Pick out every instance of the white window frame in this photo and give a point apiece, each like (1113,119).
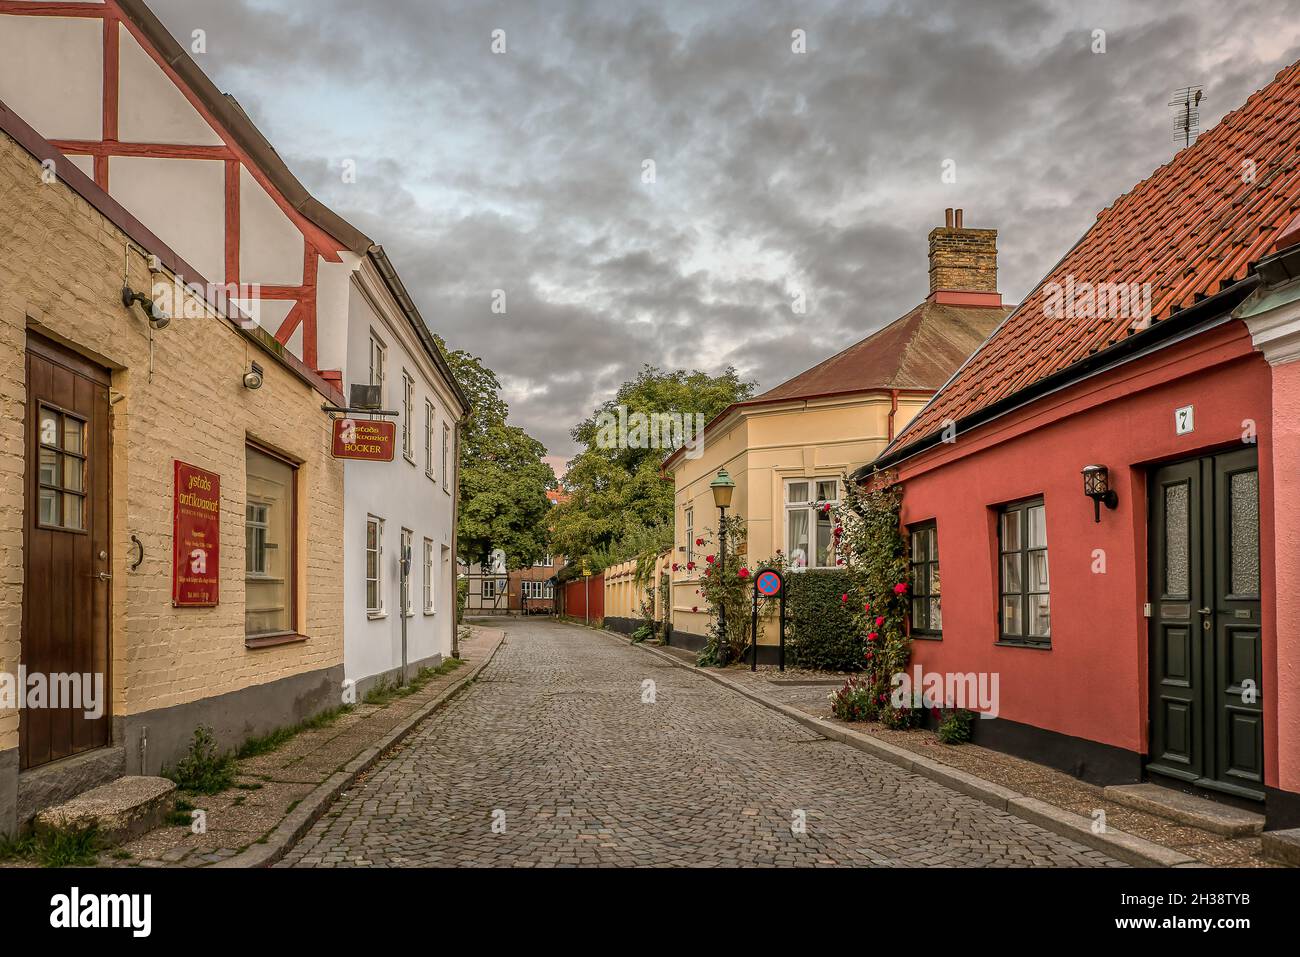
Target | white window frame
(408,406)
(378,579)
(807,504)
(428,577)
(429,420)
(378,364)
(689,522)
(488,588)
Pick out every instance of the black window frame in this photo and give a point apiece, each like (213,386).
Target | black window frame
(1022,508)
(923,594)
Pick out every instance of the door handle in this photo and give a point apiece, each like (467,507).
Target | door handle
(1204,611)
(105,576)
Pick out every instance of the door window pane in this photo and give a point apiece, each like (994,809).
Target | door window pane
(269,531)
(73,435)
(49,467)
(1243,490)
(49,507)
(1177,540)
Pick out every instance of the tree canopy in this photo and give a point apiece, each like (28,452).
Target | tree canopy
(503,479)
(620,504)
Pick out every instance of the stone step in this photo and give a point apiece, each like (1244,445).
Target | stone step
(1283,846)
(1187,809)
(120,810)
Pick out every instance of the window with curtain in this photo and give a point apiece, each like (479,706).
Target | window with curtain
(1026,609)
(809,527)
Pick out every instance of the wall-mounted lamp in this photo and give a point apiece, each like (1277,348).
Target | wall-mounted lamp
(1096,485)
(158,317)
(253,378)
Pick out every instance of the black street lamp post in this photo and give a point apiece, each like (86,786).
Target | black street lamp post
(722,487)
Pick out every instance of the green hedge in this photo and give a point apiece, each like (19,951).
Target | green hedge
(822,630)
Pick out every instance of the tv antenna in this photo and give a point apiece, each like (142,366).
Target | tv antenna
(1187,114)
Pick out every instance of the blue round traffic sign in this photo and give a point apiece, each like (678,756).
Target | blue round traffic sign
(768,584)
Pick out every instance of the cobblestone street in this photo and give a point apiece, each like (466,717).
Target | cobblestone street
(555,746)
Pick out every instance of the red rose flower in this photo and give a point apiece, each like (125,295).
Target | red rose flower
(900,589)
(710,559)
(880,621)
(866,606)
(690,566)
(675,566)
(872,636)
(743,573)
(870,655)
(826,509)
(699,541)
(695,608)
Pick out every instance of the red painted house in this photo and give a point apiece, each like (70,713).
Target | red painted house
(1147,632)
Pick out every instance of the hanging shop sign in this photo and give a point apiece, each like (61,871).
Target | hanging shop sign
(365,439)
(196,537)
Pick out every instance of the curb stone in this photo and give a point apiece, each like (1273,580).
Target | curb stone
(1118,844)
(299,821)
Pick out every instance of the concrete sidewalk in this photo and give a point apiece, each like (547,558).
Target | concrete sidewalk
(278,795)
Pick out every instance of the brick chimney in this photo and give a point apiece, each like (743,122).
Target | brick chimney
(963,264)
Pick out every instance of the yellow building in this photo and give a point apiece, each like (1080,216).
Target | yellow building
(172,554)
(789,448)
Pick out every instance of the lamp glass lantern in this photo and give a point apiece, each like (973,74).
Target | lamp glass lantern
(1096,485)
(723,486)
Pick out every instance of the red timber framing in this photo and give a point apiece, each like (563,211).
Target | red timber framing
(317,243)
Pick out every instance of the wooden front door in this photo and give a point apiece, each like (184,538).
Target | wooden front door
(1206,664)
(65,548)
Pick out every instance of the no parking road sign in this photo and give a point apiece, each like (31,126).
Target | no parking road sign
(767,584)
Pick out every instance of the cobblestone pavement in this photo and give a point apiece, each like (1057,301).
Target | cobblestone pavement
(553,759)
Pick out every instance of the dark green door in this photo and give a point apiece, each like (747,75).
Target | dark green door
(1207,720)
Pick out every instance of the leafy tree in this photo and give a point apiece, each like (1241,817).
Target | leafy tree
(503,480)
(621,505)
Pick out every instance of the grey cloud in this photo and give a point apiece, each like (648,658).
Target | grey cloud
(776,172)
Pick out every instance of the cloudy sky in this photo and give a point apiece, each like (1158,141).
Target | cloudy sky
(775,172)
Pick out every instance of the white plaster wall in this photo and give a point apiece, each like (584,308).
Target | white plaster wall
(52,74)
(182,200)
(402,495)
(151,108)
(333,291)
(270,245)
(84,163)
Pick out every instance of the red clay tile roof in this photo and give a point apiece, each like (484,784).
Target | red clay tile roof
(919,351)
(1191,225)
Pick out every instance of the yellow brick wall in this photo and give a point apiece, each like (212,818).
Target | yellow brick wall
(61,269)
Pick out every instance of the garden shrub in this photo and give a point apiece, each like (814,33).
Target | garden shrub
(854,702)
(824,629)
(955,725)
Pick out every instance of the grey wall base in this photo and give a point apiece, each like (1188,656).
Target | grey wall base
(154,739)
(394,675)
(9,792)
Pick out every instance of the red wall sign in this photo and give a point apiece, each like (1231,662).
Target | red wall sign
(196,537)
(365,439)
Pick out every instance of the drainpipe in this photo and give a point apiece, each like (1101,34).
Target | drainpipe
(893,411)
